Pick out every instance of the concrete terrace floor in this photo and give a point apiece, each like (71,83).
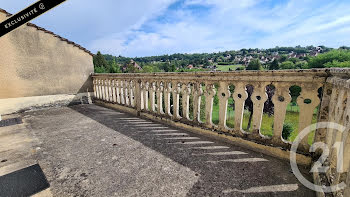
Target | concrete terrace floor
(88,150)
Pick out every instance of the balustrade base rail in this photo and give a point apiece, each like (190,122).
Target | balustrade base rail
(187,100)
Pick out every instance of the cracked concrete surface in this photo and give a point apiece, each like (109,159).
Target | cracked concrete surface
(88,150)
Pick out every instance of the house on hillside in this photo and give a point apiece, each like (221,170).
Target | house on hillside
(190,66)
(133,63)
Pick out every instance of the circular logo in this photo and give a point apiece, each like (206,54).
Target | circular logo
(318,165)
(42,6)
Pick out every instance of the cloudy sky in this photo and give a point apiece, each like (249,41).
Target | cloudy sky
(154,27)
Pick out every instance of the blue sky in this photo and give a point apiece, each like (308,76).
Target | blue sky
(154,27)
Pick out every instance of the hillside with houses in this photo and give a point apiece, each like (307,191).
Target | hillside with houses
(245,59)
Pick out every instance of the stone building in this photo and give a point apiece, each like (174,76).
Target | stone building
(39,68)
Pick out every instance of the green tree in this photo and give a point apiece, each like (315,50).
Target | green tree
(334,58)
(301,65)
(274,65)
(114,67)
(254,65)
(99,69)
(283,58)
(287,65)
(100,61)
(172,68)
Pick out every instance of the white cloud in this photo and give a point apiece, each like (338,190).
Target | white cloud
(140,28)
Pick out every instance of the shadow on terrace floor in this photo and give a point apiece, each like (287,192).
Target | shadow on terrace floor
(223,169)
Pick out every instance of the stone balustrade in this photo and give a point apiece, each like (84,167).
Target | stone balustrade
(179,97)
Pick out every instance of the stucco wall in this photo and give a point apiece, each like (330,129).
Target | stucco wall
(36,63)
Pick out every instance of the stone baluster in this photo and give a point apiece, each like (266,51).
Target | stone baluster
(209,98)
(94,82)
(160,90)
(100,89)
(197,94)
(308,92)
(118,82)
(280,99)
(126,94)
(167,91)
(122,91)
(223,94)
(131,93)
(142,89)
(176,100)
(258,97)
(145,95)
(110,95)
(105,88)
(239,97)
(186,91)
(138,96)
(152,96)
(114,97)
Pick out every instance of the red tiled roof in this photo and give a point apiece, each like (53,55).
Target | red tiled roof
(55,35)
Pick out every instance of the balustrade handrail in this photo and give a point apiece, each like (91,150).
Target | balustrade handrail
(168,95)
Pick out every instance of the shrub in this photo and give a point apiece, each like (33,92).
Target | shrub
(287,130)
(100,69)
(333,58)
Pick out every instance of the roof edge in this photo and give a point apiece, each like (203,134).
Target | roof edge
(50,32)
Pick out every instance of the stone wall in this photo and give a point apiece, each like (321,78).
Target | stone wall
(35,62)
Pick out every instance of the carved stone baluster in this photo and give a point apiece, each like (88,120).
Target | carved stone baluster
(259,96)
(110,95)
(280,99)
(308,91)
(122,98)
(127,96)
(167,90)
(223,94)
(105,89)
(118,91)
(186,91)
(142,89)
(114,97)
(145,95)
(160,90)
(209,98)
(152,96)
(197,93)
(94,82)
(98,93)
(138,96)
(100,89)
(239,97)
(131,93)
(176,100)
